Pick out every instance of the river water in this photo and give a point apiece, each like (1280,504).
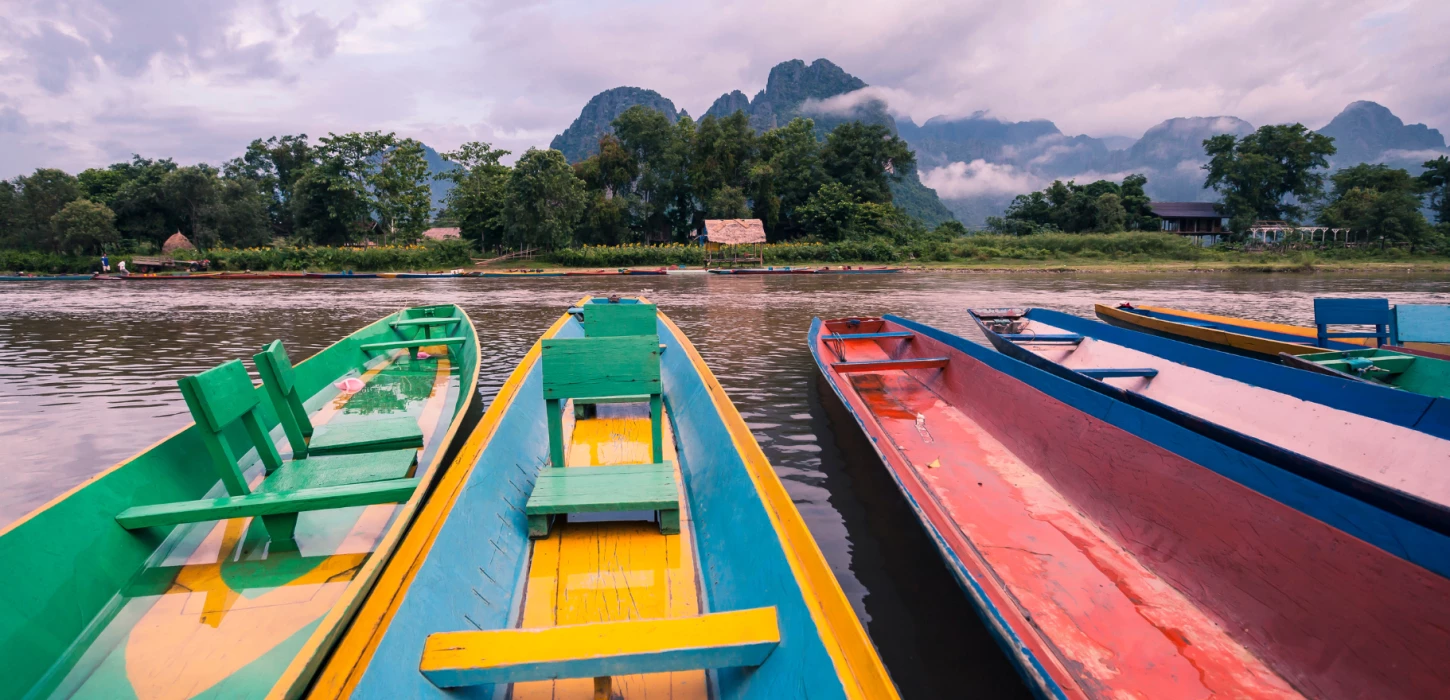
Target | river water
(89,369)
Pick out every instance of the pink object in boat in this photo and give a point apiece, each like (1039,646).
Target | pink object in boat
(423,355)
(350,385)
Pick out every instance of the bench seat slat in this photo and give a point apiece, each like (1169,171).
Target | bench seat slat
(741,638)
(1119,372)
(426,322)
(886,365)
(868,336)
(415,343)
(391,491)
(604,489)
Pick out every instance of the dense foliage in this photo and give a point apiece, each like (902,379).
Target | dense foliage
(1103,206)
(1380,203)
(342,190)
(655,180)
(1269,174)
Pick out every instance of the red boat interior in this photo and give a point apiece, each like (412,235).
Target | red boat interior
(1122,568)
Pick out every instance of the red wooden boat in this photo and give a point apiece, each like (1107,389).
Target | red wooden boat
(172,277)
(244,276)
(1115,553)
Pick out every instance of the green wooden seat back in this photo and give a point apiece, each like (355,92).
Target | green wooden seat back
(605,320)
(588,369)
(218,398)
(280,381)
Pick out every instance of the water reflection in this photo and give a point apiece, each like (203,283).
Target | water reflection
(89,379)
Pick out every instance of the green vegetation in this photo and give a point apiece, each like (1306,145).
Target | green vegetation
(345,189)
(1103,207)
(1268,174)
(654,180)
(1379,202)
(433,256)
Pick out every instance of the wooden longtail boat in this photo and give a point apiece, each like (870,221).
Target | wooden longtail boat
(719,571)
(1368,442)
(171,277)
(1264,340)
(861,270)
(1117,554)
(131,584)
(519,273)
(1421,373)
(424,275)
(45,278)
(766,271)
(286,275)
(340,275)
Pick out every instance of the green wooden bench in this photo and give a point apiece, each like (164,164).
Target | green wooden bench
(412,344)
(371,435)
(223,396)
(613,369)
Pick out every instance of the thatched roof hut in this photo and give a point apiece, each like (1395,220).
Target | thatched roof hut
(442,233)
(720,232)
(176,242)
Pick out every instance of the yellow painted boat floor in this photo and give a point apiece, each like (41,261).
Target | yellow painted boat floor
(221,613)
(601,571)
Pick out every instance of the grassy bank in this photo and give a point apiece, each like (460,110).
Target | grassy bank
(1129,252)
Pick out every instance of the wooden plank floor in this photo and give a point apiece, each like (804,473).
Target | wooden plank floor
(593,572)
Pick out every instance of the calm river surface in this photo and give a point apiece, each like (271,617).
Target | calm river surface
(88,377)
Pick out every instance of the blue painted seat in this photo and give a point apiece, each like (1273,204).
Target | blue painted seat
(1352,312)
(1421,323)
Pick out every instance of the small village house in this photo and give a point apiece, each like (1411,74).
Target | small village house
(1201,220)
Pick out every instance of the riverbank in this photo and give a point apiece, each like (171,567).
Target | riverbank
(1118,252)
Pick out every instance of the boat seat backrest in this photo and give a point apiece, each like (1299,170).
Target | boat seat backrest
(280,381)
(590,368)
(1352,312)
(218,398)
(1422,323)
(615,319)
(612,369)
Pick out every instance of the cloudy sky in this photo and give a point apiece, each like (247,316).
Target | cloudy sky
(88,82)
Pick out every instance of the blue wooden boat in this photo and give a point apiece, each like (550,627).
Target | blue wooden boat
(44,278)
(1117,553)
(340,275)
(620,547)
(424,275)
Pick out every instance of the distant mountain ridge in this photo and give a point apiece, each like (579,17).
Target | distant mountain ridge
(976,164)
(793,89)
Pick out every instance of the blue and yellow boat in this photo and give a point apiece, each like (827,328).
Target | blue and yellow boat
(1418,329)
(225,560)
(611,529)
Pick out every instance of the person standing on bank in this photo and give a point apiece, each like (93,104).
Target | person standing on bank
(105,263)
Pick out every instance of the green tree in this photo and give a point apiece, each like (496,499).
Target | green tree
(143,210)
(830,214)
(191,194)
(349,164)
(1436,181)
(402,201)
(545,201)
(323,214)
(275,165)
(1137,205)
(663,204)
(1378,202)
(12,219)
(727,203)
(1268,174)
(241,216)
(790,174)
(101,185)
(865,158)
(1109,213)
(479,196)
(42,194)
(84,227)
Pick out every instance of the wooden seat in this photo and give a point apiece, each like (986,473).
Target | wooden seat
(887,365)
(412,344)
(611,369)
(223,396)
(372,435)
(1362,312)
(741,638)
(605,489)
(1118,372)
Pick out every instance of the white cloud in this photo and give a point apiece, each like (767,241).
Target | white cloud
(519,72)
(961,180)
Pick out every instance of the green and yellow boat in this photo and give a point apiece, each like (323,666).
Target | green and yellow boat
(610,530)
(225,560)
